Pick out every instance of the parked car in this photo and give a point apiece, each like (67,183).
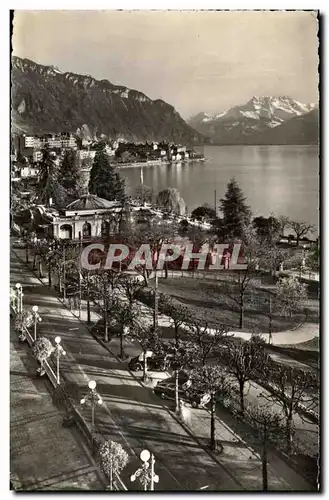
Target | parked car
(154,362)
(184,380)
(197,399)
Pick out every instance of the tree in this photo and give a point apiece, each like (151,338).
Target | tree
(112,458)
(179,357)
(105,181)
(271,256)
(23,321)
(180,352)
(301,229)
(131,287)
(268,427)
(284,222)
(291,293)
(267,229)
(202,342)
(179,315)
(144,193)
(239,283)
(313,260)
(291,388)
(102,285)
(204,212)
(212,379)
(244,361)
(42,349)
(48,185)
(69,172)
(236,213)
(126,319)
(148,339)
(171,200)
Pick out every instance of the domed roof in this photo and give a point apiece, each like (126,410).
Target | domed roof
(90,202)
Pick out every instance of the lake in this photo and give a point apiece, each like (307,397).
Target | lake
(283,180)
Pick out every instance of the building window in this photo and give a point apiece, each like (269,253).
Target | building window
(86,230)
(66,232)
(105,229)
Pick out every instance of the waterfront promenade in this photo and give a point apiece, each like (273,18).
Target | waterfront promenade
(43,454)
(134,416)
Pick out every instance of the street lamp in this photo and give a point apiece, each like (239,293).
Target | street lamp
(146,473)
(36,318)
(60,352)
(19,298)
(93,397)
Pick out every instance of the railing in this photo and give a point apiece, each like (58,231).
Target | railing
(78,418)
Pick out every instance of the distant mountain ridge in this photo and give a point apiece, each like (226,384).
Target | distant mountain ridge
(45,100)
(259,121)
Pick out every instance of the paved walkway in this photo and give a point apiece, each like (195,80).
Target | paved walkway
(43,454)
(136,417)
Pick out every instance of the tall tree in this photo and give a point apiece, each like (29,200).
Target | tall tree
(244,361)
(212,379)
(48,186)
(301,229)
(236,213)
(203,342)
(268,427)
(105,181)
(240,283)
(69,171)
(292,388)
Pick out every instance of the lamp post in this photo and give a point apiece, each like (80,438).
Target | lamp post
(36,318)
(60,352)
(93,397)
(19,298)
(146,472)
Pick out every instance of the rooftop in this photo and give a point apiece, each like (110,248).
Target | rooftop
(91,202)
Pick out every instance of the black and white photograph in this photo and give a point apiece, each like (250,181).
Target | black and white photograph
(164,249)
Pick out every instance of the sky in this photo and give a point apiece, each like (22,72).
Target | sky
(194,60)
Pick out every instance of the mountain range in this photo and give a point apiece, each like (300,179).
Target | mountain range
(45,100)
(262,120)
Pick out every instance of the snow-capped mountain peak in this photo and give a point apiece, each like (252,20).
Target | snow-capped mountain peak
(259,114)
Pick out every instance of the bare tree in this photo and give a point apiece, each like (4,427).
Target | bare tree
(203,342)
(290,388)
(212,379)
(268,428)
(301,228)
(179,315)
(244,361)
(102,286)
(239,283)
(148,339)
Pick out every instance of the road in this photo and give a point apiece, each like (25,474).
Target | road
(134,416)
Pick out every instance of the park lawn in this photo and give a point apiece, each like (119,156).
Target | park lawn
(205,297)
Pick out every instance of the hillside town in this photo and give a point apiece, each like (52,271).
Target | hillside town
(26,152)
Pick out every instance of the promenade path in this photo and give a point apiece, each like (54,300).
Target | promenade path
(134,416)
(43,454)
